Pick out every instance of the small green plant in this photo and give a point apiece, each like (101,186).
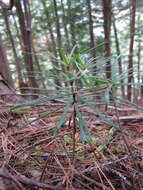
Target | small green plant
(81,85)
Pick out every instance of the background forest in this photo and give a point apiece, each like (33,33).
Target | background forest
(34,33)
(71,89)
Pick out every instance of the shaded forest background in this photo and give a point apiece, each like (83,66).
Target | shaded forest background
(33,33)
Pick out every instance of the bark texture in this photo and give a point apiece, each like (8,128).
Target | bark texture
(4,66)
(91,32)
(106,4)
(25,27)
(130,66)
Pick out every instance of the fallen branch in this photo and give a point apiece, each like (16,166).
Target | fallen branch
(18,179)
(133,118)
(5,174)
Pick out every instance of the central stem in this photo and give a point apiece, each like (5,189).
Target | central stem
(74,124)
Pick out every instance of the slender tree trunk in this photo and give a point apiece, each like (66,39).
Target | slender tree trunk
(28,18)
(58,28)
(38,66)
(65,25)
(18,33)
(130,66)
(92,40)
(29,37)
(24,84)
(4,66)
(58,32)
(72,23)
(118,53)
(53,44)
(18,66)
(139,57)
(25,28)
(50,28)
(107,30)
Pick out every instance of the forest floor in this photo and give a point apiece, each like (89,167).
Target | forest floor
(32,158)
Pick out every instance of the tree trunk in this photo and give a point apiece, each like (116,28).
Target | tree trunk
(140,90)
(23,85)
(71,22)
(130,66)
(65,26)
(53,44)
(118,53)
(58,29)
(25,28)
(139,59)
(107,30)
(38,67)
(92,43)
(18,66)
(4,66)
(17,32)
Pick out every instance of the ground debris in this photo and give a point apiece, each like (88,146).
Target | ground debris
(31,157)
